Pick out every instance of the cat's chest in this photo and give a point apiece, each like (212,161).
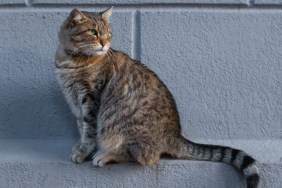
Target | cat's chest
(70,84)
(77,81)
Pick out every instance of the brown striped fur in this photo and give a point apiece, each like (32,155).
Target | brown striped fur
(122,108)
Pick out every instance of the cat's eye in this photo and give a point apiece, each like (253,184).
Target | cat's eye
(94,32)
(107,34)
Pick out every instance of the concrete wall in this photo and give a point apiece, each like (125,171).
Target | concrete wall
(221,59)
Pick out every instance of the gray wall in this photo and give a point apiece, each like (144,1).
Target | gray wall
(221,59)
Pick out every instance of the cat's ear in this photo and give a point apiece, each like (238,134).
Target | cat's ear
(107,14)
(76,17)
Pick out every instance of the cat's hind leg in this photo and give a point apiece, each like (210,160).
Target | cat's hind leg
(144,154)
(111,148)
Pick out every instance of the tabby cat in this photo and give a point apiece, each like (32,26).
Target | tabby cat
(123,110)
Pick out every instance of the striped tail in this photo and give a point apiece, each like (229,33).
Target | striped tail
(185,149)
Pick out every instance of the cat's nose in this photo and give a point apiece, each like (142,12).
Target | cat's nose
(103,43)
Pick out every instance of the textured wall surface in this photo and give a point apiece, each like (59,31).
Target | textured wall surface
(221,59)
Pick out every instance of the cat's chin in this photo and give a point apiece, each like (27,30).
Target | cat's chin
(97,52)
(101,52)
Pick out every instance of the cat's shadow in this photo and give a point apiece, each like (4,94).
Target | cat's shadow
(37,120)
(38,113)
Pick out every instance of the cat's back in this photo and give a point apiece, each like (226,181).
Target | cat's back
(133,77)
(134,69)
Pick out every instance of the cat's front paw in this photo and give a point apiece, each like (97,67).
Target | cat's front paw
(78,155)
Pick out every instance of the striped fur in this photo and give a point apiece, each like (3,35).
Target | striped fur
(123,110)
(241,160)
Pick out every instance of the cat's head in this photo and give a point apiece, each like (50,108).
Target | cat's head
(87,33)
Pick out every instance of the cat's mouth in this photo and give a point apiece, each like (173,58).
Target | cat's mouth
(92,50)
(101,50)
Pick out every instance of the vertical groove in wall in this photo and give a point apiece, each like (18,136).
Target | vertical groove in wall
(28,3)
(136,37)
(251,3)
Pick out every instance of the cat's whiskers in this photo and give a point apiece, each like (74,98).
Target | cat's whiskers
(110,54)
(72,53)
(86,45)
(80,57)
(88,52)
(88,49)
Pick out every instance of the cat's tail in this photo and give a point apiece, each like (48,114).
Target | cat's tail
(185,149)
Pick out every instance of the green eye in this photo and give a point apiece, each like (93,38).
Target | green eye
(93,31)
(107,34)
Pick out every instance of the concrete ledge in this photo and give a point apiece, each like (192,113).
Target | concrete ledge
(45,163)
(166,174)
(141,2)
(58,150)
(268,2)
(14,2)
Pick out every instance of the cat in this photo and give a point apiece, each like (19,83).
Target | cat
(123,110)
